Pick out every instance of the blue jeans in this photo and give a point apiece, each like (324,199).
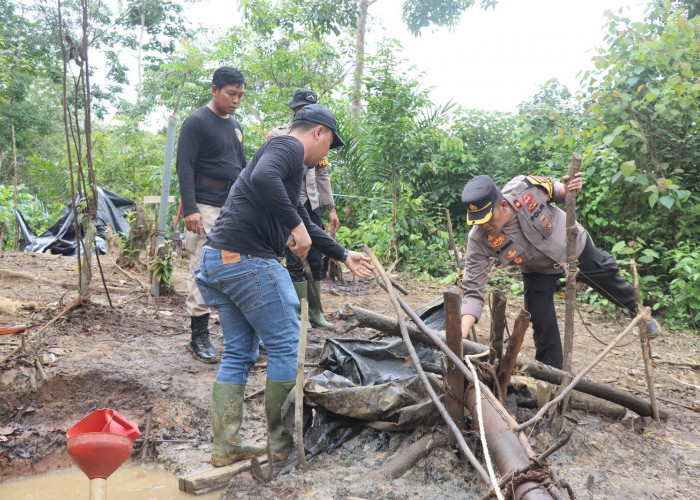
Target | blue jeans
(256,300)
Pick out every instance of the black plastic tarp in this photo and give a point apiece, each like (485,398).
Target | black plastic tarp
(60,237)
(375,381)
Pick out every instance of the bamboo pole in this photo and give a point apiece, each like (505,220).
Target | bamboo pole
(646,347)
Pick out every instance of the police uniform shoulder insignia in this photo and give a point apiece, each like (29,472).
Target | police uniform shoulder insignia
(549,226)
(498,240)
(517,204)
(518,260)
(532,206)
(490,238)
(546,183)
(511,253)
(543,218)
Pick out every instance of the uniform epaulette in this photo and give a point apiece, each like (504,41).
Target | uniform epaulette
(546,183)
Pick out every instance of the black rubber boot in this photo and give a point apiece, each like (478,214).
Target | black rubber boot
(200,345)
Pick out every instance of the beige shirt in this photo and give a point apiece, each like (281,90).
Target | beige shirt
(534,239)
(317,183)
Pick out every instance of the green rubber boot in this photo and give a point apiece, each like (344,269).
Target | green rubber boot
(275,394)
(303,293)
(315,315)
(226,418)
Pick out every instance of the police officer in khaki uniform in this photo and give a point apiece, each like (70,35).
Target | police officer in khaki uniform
(519,226)
(315,192)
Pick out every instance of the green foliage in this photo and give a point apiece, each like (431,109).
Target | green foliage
(35,213)
(163,265)
(419,14)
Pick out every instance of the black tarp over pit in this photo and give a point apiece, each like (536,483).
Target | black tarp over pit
(60,237)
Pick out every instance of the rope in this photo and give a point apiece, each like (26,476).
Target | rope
(482,433)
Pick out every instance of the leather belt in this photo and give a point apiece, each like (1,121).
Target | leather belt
(205,180)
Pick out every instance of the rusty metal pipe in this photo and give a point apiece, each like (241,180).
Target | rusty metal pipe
(505,448)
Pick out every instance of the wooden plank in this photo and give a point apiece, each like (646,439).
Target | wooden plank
(214,478)
(454,399)
(155,200)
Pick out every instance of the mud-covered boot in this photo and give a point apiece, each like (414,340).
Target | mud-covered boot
(315,315)
(226,418)
(280,441)
(200,345)
(303,293)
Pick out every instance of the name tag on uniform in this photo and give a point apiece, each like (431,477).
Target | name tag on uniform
(230,257)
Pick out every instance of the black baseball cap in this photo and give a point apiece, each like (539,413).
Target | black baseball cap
(480,196)
(302,97)
(315,113)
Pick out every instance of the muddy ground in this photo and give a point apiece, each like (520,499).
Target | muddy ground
(132,356)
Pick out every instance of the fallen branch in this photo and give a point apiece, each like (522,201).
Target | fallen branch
(129,275)
(405,459)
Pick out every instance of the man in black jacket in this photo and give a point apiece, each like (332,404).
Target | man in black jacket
(209,158)
(241,276)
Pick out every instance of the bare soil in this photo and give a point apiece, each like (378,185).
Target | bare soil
(131,356)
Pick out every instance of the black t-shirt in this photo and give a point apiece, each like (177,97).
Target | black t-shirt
(211,146)
(263,205)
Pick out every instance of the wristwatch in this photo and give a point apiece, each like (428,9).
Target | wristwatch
(332,206)
(345,254)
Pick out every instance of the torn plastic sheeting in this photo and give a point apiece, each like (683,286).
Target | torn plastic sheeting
(370,362)
(60,237)
(374,381)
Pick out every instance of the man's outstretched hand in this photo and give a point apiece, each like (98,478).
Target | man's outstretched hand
(359,264)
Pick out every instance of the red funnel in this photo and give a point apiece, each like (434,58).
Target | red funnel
(101,442)
(105,420)
(98,454)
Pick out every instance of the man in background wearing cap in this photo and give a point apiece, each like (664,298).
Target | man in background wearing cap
(520,227)
(317,176)
(209,158)
(241,277)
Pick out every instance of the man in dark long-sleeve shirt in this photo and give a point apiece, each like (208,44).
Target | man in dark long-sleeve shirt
(209,158)
(241,277)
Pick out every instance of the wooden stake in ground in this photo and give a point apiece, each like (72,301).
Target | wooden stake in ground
(646,347)
(299,388)
(454,399)
(572,266)
(497,303)
(505,368)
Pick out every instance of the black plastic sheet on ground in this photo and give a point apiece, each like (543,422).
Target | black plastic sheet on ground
(60,237)
(375,382)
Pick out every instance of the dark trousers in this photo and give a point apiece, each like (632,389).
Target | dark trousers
(315,258)
(599,270)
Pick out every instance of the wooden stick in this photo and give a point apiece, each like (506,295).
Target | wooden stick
(299,388)
(379,270)
(646,347)
(572,267)
(452,240)
(15,246)
(505,369)
(581,374)
(454,397)
(70,306)
(147,434)
(497,303)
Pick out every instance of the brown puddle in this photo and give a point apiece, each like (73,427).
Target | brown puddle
(130,482)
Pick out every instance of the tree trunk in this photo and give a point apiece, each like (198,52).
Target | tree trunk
(140,48)
(360,30)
